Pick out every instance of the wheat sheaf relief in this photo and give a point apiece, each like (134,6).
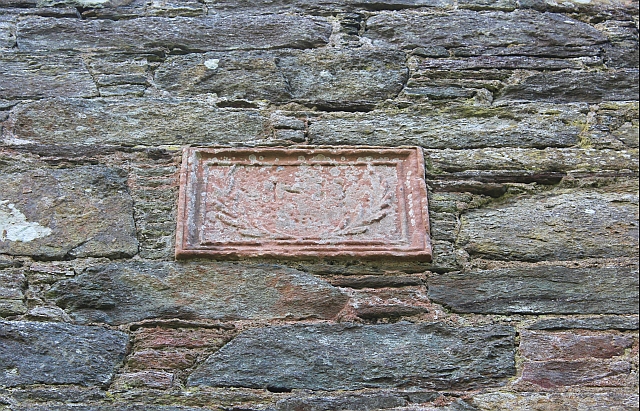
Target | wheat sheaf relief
(359,205)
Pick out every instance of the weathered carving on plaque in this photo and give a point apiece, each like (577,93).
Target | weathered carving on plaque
(304,201)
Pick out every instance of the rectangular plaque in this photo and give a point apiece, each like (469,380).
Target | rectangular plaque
(303,202)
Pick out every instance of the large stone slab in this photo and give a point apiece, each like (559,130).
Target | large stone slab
(32,76)
(566,86)
(539,290)
(67,213)
(468,33)
(349,357)
(130,122)
(127,292)
(54,353)
(326,78)
(456,127)
(562,226)
(601,322)
(181,33)
(580,399)
(550,159)
(546,346)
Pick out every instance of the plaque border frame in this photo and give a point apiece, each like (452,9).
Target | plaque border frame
(413,161)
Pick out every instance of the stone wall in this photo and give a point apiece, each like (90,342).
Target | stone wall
(528,114)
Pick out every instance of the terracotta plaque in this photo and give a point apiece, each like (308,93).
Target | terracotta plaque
(303,202)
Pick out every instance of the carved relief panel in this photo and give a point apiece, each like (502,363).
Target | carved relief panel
(303,202)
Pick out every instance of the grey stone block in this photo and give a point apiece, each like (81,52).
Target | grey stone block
(539,290)
(127,292)
(334,357)
(54,353)
(67,213)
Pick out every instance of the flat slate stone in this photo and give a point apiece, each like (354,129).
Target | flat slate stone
(567,86)
(67,213)
(303,202)
(326,78)
(181,33)
(13,283)
(469,33)
(455,127)
(350,357)
(539,290)
(120,293)
(33,76)
(604,322)
(55,353)
(563,226)
(579,399)
(130,122)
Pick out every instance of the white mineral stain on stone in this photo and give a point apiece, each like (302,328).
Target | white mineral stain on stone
(211,64)
(15,227)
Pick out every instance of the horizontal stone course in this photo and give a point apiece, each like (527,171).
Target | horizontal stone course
(467,33)
(456,127)
(125,292)
(54,353)
(546,160)
(327,78)
(564,87)
(34,76)
(131,122)
(348,357)
(180,33)
(605,322)
(67,213)
(545,346)
(547,289)
(554,226)
(585,373)
(577,399)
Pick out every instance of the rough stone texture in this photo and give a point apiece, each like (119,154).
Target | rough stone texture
(586,373)
(466,33)
(545,346)
(539,290)
(555,226)
(34,76)
(67,213)
(114,71)
(331,79)
(186,337)
(8,30)
(160,360)
(528,114)
(604,322)
(330,357)
(549,160)
(581,400)
(52,353)
(126,292)
(179,33)
(131,122)
(564,87)
(346,402)
(453,127)
(321,6)
(13,283)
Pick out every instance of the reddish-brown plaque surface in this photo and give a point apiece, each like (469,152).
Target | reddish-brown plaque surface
(303,202)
